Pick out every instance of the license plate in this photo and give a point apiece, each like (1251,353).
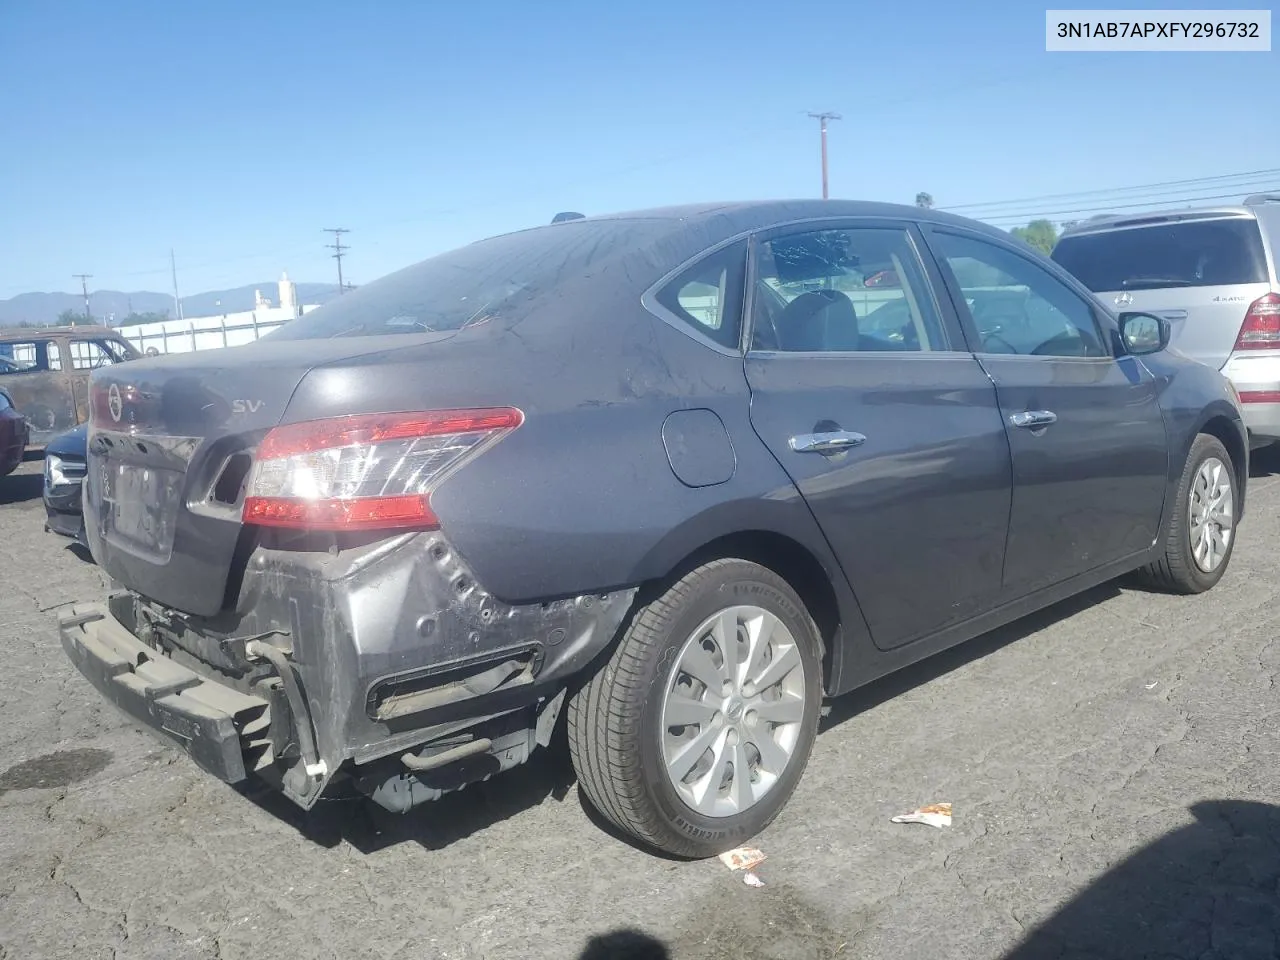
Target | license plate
(140,507)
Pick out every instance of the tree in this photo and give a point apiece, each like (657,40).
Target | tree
(150,316)
(69,318)
(924,200)
(1041,234)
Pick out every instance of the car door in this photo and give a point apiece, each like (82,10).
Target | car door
(862,388)
(1090,458)
(31,371)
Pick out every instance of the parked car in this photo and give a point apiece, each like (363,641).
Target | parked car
(13,435)
(647,470)
(46,372)
(1213,274)
(64,468)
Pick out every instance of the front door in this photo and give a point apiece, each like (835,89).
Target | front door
(862,389)
(1090,459)
(87,354)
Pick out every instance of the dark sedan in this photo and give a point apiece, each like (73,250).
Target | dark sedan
(678,474)
(64,466)
(14,435)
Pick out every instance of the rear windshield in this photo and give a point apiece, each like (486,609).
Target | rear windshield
(1195,253)
(487,280)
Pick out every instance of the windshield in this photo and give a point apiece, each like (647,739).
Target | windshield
(474,284)
(1194,253)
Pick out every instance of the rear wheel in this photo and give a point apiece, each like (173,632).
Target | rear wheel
(695,733)
(1200,535)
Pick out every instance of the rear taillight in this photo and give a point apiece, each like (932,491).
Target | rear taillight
(1261,327)
(372,472)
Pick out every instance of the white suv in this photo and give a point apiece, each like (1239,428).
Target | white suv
(1212,272)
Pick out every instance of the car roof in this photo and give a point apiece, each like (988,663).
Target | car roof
(1252,207)
(734,217)
(43,333)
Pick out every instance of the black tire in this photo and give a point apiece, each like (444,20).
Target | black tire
(1176,571)
(615,725)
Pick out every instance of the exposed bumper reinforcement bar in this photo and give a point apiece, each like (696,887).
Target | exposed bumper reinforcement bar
(207,719)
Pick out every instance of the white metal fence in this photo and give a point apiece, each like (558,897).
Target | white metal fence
(205,333)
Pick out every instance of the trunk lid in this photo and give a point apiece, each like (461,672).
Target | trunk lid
(1203,321)
(170,445)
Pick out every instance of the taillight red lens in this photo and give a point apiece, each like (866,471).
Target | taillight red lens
(1261,327)
(366,472)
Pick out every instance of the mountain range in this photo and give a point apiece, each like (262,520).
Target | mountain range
(39,309)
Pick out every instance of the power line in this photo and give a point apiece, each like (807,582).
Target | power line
(1271,173)
(1012,217)
(338,248)
(84,288)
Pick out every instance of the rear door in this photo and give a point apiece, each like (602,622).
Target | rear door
(32,372)
(1200,272)
(862,389)
(1090,457)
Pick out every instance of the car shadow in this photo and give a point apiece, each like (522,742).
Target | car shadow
(850,705)
(20,488)
(1206,890)
(1265,462)
(549,775)
(358,821)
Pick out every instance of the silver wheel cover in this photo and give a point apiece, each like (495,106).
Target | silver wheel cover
(1211,512)
(732,711)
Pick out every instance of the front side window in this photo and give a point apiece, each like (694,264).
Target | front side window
(857,289)
(708,295)
(1018,307)
(91,354)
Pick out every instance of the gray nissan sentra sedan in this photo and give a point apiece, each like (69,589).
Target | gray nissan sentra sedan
(676,475)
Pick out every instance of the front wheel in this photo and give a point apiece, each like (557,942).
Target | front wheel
(1201,531)
(695,733)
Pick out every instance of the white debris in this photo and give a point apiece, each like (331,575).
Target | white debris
(751,880)
(935,815)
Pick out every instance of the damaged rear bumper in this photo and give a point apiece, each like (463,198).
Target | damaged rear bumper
(386,665)
(214,724)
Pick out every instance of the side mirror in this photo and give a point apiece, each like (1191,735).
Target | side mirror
(1143,333)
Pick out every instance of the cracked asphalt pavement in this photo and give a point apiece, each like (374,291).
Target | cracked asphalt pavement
(1113,764)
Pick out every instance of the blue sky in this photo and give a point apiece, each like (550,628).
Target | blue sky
(234,131)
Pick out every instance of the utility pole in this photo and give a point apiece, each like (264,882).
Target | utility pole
(177,301)
(822,119)
(84,288)
(338,248)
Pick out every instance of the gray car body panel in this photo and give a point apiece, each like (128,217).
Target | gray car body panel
(549,537)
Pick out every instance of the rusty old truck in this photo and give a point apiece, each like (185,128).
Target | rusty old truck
(45,370)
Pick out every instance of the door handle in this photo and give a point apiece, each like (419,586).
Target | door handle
(1033,419)
(831,441)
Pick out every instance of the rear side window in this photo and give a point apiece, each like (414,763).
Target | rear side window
(1192,253)
(708,295)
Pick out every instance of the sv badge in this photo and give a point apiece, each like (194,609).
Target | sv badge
(246,406)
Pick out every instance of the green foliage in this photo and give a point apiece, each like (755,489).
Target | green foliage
(69,318)
(150,316)
(924,200)
(1041,234)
